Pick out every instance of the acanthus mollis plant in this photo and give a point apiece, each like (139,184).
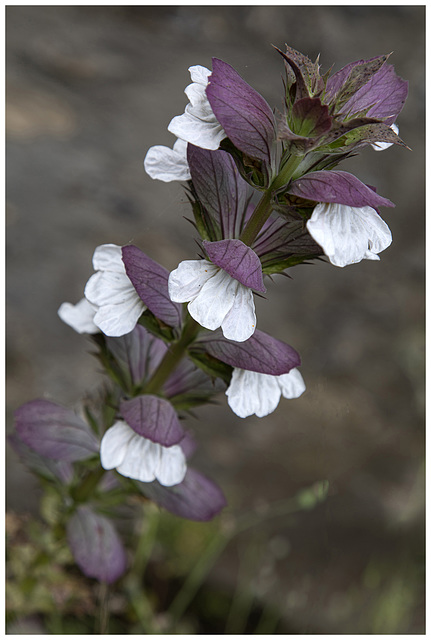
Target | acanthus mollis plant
(265,196)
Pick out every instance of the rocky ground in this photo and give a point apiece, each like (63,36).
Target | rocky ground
(89,90)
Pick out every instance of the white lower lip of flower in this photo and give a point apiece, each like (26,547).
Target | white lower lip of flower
(110,291)
(251,393)
(79,316)
(215,298)
(240,323)
(163,163)
(347,234)
(187,280)
(198,124)
(203,133)
(141,459)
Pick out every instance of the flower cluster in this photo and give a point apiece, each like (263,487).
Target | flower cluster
(265,196)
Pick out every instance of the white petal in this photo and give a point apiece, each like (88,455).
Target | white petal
(141,460)
(381,146)
(163,163)
(269,393)
(199,74)
(379,234)
(239,399)
(114,445)
(107,287)
(214,301)
(117,320)
(188,278)
(108,257)
(198,123)
(253,393)
(79,316)
(240,323)
(198,131)
(371,256)
(347,234)
(118,305)
(172,466)
(292,384)
(199,105)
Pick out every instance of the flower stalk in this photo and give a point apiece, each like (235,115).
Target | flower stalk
(264,207)
(258,218)
(173,356)
(82,492)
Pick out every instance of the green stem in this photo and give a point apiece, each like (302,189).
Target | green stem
(135,581)
(82,492)
(147,538)
(264,207)
(103,621)
(258,218)
(286,172)
(195,578)
(173,356)
(243,597)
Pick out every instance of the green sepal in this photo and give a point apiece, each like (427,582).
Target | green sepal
(211,366)
(252,170)
(203,221)
(366,134)
(186,401)
(278,266)
(157,327)
(109,363)
(378,132)
(91,420)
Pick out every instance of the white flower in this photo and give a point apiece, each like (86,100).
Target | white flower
(198,123)
(215,298)
(110,291)
(79,316)
(381,146)
(163,163)
(251,393)
(348,234)
(139,458)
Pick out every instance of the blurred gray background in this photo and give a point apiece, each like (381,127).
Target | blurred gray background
(89,90)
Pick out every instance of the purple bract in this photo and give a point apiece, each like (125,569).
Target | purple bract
(54,431)
(245,116)
(337,186)
(238,260)
(151,283)
(219,185)
(195,498)
(153,418)
(261,353)
(96,546)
